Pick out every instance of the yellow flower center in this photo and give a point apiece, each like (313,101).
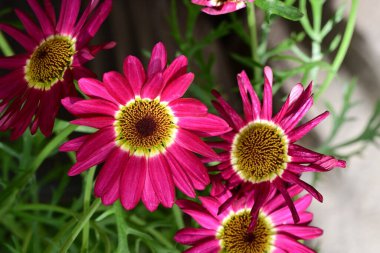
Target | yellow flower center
(49,61)
(234,237)
(260,152)
(145,127)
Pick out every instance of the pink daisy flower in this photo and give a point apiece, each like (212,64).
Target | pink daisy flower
(218,7)
(275,231)
(260,151)
(55,53)
(147,132)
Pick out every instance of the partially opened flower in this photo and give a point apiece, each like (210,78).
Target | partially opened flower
(147,132)
(229,231)
(260,151)
(55,53)
(218,7)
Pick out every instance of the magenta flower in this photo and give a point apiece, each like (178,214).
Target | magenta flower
(260,151)
(147,132)
(55,53)
(218,7)
(228,231)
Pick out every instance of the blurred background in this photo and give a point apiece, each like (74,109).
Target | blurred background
(350,214)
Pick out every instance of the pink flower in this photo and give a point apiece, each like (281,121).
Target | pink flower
(218,7)
(55,53)
(147,132)
(260,151)
(228,231)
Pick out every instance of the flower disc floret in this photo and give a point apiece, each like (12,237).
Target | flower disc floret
(49,62)
(234,236)
(145,127)
(260,152)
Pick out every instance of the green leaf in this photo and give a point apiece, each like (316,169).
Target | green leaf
(279,8)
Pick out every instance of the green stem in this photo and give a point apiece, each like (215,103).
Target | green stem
(178,217)
(316,54)
(342,49)
(85,218)
(19,182)
(251,18)
(4,46)
(86,204)
(121,228)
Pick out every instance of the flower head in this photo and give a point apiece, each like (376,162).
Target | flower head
(55,53)
(147,132)
(260,151)
(218,7)
(228,231)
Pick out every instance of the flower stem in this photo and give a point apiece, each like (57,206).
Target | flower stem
(4,46)
(85,218)
(342,51)
(251,19)
(121,228)
(89,178)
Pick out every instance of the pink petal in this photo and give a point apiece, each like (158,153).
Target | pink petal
(191,165)
(45,23)
(208,246)
(260,195)
(16,78)
(227,7)
(132,181)
(199,214)
(90,7)
(134,72)
(112,193)
(111,171)
(95,89)
(68,16)
(177,88)
(191,236)
(153,87)
(180,178)
(300,154)
(227,112)
(293,96)
(97,142)
(302,232)
(176,69)
(266,112)
(291,245)
(299,132)
(118,87)
(89,107)
(97,157)
(194,143)
(149,197)
(211,124)
(161,180)
(50,12)
(19,36)
(95,122)
(284,216)
(183,107)
(49,106)
(31,28)
(93,23)
(251,104)
(279,183)
(74,144)
(13,62)
(158,60)
(292,178)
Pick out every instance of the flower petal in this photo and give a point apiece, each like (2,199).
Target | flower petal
(183,107)
(161,179)
(194,143)
(133,181)
(158,60)
(266,111)
(118,87)
(177,88)
(134,72)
